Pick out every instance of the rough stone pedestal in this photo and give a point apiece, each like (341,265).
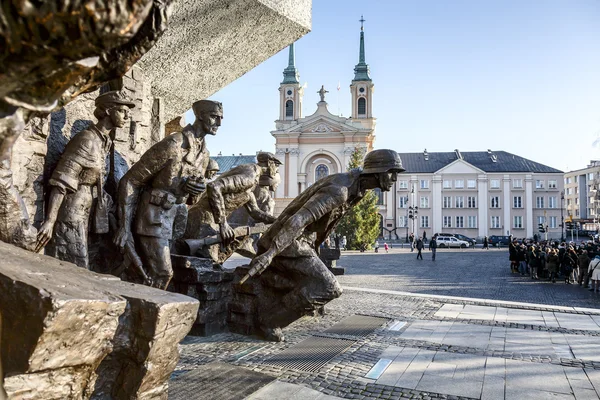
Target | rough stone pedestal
(329,258)
(197,278)
(68,333)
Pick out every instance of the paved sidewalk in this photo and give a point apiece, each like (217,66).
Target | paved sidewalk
(429,347)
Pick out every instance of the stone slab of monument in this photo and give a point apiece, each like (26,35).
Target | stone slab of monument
(211,43)
(197,278)
(69,333)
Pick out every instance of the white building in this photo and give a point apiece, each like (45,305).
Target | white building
(582,199)
(473,193)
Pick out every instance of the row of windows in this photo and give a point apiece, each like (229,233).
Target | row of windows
(472,184)
(471,202)
(570,179)
(471,222)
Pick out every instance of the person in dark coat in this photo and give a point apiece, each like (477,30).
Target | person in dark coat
(583,262)
(553,264)
(486,244)
(433,247)
(419,248)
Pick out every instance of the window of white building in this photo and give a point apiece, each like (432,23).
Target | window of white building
(569,190)
(472,221)
(447,203)
(495,222)
(424,221)
(541,220)
(447,221)
(471,202)
(402,184)
(517,222)
(403,201)
(494,183)
(447,184)
(517,202)
(495,202)
(552,202)
(460,202)
(591,176)
(402,221)
(552,223)
(460,222)
(424,183)
(552,184)
(518,183)
(539,201)
(459,184)
(471,184)
(539,184)
(424,202)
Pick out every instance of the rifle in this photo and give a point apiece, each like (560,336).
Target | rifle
(193,245)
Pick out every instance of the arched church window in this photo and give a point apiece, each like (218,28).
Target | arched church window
(321,171)
(289,109)
(362,106)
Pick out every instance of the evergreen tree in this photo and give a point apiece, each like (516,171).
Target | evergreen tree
(360,225)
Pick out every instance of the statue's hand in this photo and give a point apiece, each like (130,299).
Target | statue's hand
(123,237)
(270,219)
(44,235)
(227,233)
(194,187)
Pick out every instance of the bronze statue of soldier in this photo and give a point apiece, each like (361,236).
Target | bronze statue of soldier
(160,183)
(77,184)
(289,247)
(230,191)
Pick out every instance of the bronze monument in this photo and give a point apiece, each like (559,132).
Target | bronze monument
(160,183)
(78,179)
(288,249)
(230,191)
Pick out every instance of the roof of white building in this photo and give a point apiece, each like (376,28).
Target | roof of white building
(228,162)
(487,161)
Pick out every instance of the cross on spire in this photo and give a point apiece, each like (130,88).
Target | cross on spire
(361,20)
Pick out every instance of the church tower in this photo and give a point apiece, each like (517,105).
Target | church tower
(362,86)
(290,91)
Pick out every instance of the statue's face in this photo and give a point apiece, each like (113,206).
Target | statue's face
(387,179)
(210,174)
(119,115)
(210,121)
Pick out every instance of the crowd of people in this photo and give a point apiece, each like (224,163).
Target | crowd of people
(552,260)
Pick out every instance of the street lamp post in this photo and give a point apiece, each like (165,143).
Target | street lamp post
(562,218)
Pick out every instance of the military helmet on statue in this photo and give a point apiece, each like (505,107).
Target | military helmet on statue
(383,160)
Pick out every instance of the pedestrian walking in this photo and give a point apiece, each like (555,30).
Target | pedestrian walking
(486,244)
(386,247)
(377,246)
(594,273)
(419,248)
(433,247)
(411,239)
(424,237)
(583,263)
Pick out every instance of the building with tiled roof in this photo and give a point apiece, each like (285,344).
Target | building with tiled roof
(477,194)
(228,162)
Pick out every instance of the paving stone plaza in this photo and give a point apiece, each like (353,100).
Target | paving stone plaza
(462,327)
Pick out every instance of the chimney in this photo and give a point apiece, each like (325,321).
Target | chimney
(458,155)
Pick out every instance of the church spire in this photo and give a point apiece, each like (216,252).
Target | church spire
(361,70)
(290,74)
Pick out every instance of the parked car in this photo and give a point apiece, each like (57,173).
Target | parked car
(466,239)
(494,240)
(459,236)
(450,241)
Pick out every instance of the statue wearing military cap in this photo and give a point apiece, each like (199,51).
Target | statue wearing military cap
(78,180)
(229,192)
(288,249)
(157,186)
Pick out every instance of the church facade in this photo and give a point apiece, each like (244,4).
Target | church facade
(320,144)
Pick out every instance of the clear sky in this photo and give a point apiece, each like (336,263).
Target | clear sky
(516,75)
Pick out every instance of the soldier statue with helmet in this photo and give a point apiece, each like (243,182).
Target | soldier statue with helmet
(288,249)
